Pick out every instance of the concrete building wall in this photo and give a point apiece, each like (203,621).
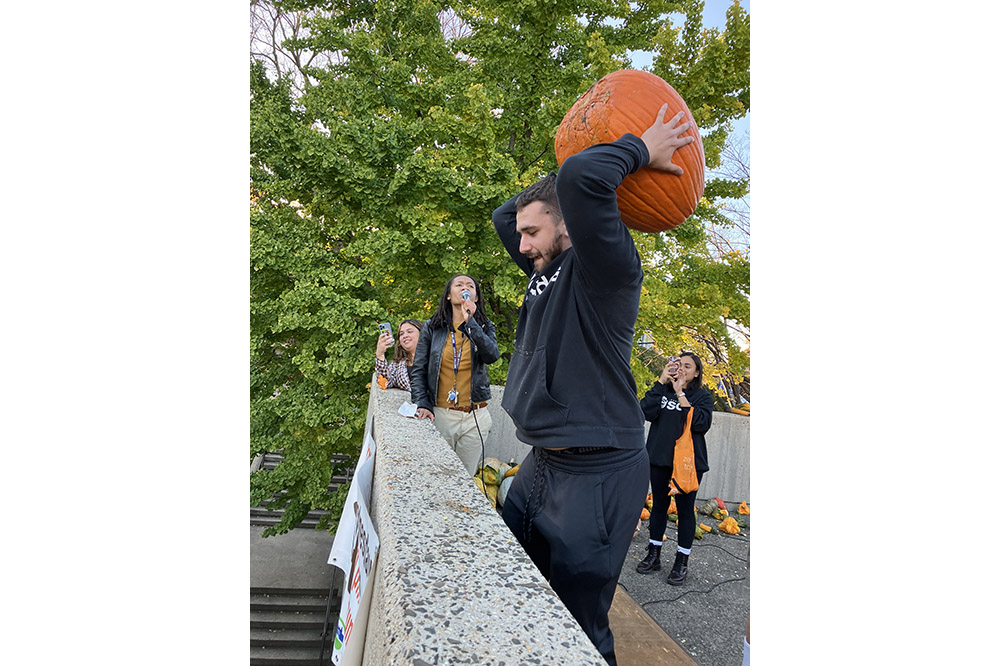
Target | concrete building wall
(728,443)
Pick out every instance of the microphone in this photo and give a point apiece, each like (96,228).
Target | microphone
(467,296)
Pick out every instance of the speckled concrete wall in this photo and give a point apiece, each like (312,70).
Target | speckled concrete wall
(452,585)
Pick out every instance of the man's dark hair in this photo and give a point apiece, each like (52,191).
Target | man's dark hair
(544,191)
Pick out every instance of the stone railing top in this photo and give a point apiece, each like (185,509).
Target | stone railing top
(452,584)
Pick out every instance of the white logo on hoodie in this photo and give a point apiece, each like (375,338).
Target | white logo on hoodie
(670,403)
(540,282)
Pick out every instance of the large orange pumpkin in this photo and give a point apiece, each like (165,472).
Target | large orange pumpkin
(628,101)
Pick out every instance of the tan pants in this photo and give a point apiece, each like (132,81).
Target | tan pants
(460,432)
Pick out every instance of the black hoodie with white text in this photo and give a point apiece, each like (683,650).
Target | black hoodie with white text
(569,382)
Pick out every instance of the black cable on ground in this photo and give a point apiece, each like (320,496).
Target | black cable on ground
(732,555)
(687,592)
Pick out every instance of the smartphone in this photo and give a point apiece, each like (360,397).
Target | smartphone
(671,361)
(384,327)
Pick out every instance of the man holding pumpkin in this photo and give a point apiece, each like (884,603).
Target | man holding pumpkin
(570,392)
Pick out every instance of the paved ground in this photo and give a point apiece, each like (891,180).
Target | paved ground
(706,616)
(294,560)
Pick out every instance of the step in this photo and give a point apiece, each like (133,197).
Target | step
(287,656)
(266,523)
(268,519)
(288,603)
(313,513)
(273,517)
(332,486)
(286,637)
(289,597)
(292,591)
(334,460)
(290,620)
(335,481)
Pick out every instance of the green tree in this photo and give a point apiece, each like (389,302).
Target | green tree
(697,285)
(377,156)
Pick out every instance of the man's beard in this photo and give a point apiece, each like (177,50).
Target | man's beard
(546,257)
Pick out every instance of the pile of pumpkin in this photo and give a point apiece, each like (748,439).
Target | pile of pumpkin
(715,508)
(493,478)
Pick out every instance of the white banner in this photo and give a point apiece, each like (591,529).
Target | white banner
(349,638)
(360,491)
(354,551)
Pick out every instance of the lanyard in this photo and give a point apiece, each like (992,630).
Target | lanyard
(457,357)
(456,354)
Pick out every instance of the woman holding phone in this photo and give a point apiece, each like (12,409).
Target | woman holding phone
(450,382)
(396,371)
(666,405)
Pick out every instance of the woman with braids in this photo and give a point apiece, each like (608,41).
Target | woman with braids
(449,382)
(397,371)
(666,404)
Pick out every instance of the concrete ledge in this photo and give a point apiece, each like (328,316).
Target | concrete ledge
(452,585)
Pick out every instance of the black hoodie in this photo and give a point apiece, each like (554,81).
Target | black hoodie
(660,406)
(569,382)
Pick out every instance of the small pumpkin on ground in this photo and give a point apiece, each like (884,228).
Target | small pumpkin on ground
(743,508)
(649,501)
(673,506)
(720,514)
(729,526)
(644,515)
(705,528)
(489,475)
(698,532)
(708,507)
(489,489)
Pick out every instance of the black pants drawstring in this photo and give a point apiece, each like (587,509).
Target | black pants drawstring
(531,509)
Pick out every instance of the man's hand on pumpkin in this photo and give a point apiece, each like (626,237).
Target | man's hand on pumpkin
(662,139)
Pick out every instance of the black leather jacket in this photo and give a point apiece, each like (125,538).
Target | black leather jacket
(427,362)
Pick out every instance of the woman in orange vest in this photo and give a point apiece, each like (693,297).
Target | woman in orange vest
(666,405)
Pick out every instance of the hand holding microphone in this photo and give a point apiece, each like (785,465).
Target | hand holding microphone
(469,306)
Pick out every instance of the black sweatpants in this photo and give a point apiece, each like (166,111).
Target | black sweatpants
(659,480)
(574,514)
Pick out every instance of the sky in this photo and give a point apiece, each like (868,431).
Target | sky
(714,16)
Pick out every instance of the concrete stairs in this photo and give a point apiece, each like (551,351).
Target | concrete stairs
(291,585)
(262,516)
(286,626)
